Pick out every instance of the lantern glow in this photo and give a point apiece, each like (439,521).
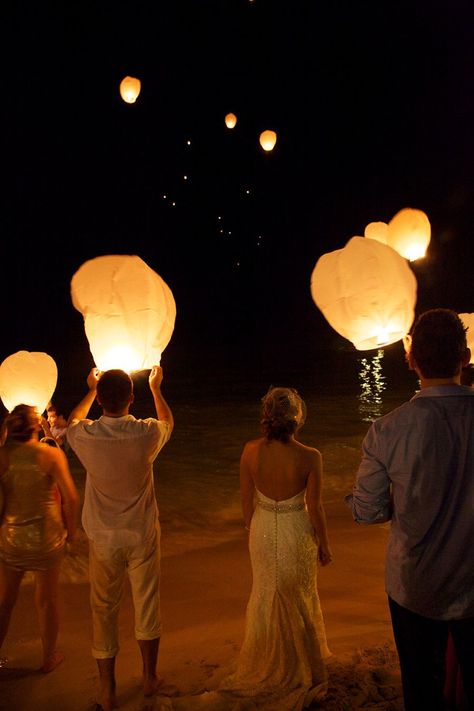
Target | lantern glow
(409,232)
(230,120)
(268,140)
(129,89)
(28,378)
(366,291)
(468,322)
(129,311)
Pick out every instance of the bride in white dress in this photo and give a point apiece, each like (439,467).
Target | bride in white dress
(281,663)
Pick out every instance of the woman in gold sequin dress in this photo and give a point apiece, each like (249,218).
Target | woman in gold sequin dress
(37,518)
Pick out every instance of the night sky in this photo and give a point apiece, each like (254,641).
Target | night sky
(373,104)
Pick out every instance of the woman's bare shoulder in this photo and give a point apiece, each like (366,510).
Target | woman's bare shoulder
(310,452)
(49,456)
(254,443)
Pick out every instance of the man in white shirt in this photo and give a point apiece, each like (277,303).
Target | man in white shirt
(120,516)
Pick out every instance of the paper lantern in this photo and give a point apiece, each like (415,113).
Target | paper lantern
(230,120)
(130,89)
(468,321)
(366,291)
(268,140)
(409,232)
(28,379)
(377,231)
(129,311)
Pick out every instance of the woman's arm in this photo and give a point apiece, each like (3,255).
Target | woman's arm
(247,487)
(57,465)
(316,511)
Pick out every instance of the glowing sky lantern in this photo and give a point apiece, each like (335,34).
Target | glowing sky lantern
(378,231)
(468,321)
(409,232)
(129,311)
(230,120)
(366,291)
(268,140)
(28,379)
(130,89)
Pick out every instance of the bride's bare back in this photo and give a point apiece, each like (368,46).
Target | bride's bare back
(279,470)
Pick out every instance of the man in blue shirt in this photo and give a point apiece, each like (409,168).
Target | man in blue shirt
(417,470)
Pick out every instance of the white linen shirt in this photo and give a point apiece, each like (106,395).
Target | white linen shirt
(117,453)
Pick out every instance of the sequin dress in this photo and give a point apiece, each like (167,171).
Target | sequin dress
(281,662)
(32,533)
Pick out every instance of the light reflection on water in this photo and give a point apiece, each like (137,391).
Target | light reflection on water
(372,384)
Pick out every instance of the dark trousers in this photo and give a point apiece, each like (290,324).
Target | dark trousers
(421,645)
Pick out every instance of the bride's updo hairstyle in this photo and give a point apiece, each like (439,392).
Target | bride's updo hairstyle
(20,424)
(283,413)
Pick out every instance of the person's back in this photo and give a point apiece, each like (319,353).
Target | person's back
(281,661)
(280,470)
(417,471)
(118,455)
(120,517)
(427,448)
(32,525)
(39,507)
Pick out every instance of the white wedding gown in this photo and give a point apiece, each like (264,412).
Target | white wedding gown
(281,662)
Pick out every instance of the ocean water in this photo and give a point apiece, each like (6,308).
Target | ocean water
(197,472)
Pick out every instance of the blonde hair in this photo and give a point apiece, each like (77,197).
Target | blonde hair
(283,413)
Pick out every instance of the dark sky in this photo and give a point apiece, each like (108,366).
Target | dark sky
(373,103)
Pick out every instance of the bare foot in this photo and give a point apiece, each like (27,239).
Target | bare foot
(53,661)
(150,685)
(108,700)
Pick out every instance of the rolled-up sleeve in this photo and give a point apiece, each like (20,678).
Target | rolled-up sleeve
(370,500)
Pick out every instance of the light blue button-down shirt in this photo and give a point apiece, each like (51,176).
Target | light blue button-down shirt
(417,470)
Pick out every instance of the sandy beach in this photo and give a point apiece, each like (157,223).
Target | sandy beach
(206,580)
(204,594)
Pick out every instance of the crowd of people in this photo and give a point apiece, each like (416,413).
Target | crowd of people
(417,471)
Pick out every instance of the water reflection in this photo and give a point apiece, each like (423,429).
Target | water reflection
(372,384)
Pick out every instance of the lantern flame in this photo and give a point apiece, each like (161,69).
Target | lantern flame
(409,232)
(268,140)
(129,89)
(385,335)
(121,356)
(230,120)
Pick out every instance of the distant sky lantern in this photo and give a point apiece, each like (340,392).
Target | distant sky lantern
(367,293)
(130,89)
(230,120)
(28,379)
(268,140)
(468,321)
(378,231)
(409,232)
(129,311)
